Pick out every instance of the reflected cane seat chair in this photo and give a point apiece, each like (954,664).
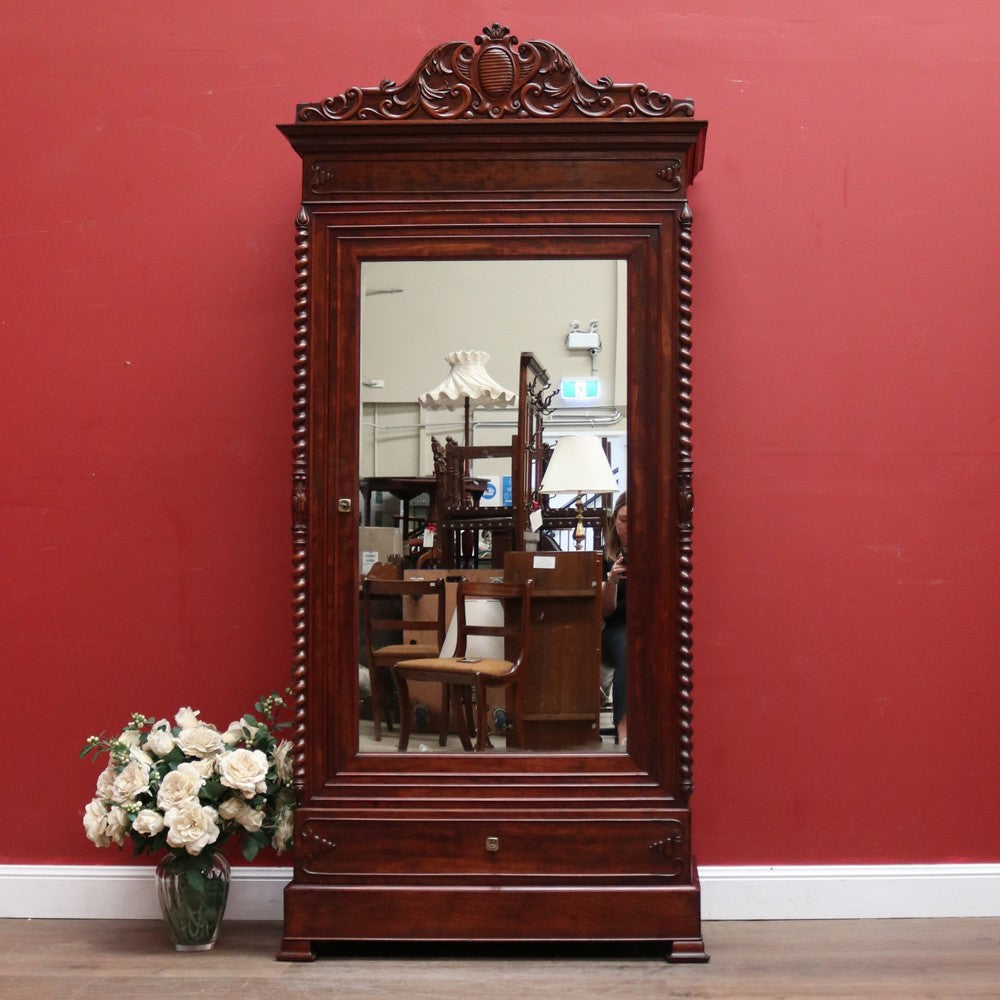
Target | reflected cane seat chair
(466,672)
(391,608)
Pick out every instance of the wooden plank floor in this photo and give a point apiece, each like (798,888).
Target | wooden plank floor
(884,959)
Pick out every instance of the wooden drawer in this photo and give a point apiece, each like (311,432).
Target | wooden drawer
(535,848)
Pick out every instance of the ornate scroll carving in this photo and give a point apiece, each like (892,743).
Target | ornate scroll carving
(313,848)
(495,79)
(685,500)
(321,177)
(671,174)
(671,847)
(300,508)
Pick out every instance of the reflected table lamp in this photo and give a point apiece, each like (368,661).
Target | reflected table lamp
(468,385)
(578,465)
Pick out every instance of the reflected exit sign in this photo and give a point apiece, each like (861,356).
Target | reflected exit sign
(580,390)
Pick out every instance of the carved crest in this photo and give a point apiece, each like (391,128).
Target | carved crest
(497,78)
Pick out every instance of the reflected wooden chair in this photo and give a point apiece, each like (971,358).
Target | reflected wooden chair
(390,607)
(465,672)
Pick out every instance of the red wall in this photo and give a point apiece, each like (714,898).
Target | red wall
(846,368)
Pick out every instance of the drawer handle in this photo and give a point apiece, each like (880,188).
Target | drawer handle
(492,843)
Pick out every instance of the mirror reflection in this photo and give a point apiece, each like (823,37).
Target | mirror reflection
(493,448)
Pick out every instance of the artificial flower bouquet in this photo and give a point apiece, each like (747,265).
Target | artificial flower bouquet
(187,787)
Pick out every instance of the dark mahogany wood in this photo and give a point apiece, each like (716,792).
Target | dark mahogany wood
(494,149)
(561,684)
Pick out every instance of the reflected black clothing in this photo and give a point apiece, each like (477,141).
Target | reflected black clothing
(614,648)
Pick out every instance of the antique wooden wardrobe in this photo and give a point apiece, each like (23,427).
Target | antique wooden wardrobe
(495,149)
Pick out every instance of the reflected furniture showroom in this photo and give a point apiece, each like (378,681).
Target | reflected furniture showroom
(468,670)
(379,601)
(497,150)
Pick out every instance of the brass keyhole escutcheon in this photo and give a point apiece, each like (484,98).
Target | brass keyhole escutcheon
(344,505)
(492,843)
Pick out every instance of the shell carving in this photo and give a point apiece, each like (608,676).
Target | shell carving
(496,72)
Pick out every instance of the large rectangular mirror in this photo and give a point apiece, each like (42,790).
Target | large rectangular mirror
(415,316)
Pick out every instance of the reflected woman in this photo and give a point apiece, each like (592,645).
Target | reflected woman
(613,644)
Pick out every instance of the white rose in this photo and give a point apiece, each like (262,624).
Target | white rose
(199,741)
(130,737)
(248,730)
(179,785)
(160,741)
(186,718)
(283,761)
(244,770)
(191,826)
(231,807)
(240,811)
(283,833)
(148,822)
(95,822)
(105,782)
(233,734)
(117,825)
(130,783)
(206,768)
(140,755)
(251,819)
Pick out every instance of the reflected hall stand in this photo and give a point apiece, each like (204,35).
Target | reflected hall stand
(493,149)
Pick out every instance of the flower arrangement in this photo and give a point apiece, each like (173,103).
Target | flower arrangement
(187,787)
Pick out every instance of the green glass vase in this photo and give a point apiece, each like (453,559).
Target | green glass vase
(193,891)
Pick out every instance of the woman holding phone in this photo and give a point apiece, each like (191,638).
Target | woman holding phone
(613,644)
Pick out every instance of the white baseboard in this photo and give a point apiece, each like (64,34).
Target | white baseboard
(115,892)
(849,892)
(792,892)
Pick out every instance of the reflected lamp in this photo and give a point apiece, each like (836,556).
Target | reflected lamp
(468,385)
(578,466)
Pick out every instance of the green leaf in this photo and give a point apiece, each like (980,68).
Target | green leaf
(196,879)
(212,791)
